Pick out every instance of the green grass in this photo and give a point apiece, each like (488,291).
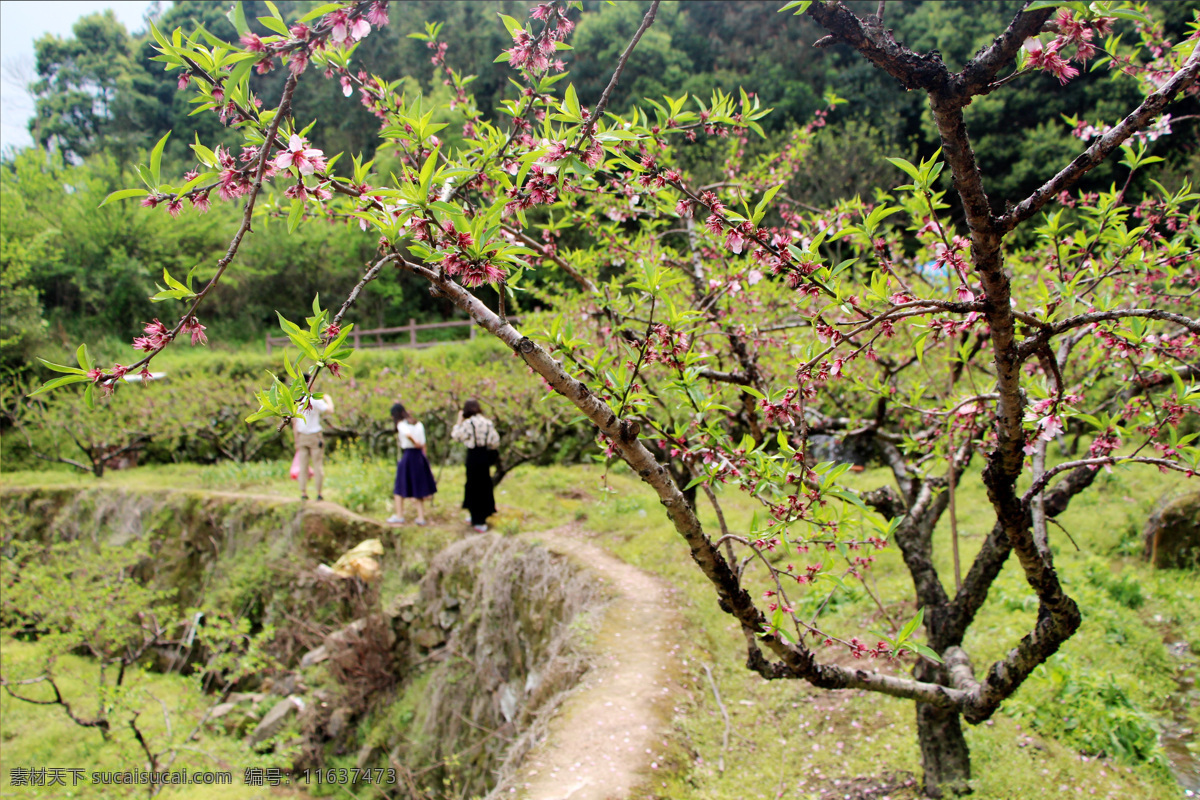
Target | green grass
(1110,680)
(787,732)
(38,736)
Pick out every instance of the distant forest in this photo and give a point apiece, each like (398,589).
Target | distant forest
(102,102)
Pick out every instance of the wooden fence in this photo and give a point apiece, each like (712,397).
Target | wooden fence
(375,336)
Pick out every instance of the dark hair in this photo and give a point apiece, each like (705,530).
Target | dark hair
(399,412)
(471,408)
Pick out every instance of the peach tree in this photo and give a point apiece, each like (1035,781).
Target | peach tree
(709,333)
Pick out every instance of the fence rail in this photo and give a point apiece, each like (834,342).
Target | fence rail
(375,336)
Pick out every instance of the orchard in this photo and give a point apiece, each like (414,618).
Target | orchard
(710,331)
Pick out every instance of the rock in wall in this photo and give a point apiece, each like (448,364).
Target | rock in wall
(1173,533)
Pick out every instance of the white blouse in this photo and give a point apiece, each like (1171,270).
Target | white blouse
(410,434)
(476,431)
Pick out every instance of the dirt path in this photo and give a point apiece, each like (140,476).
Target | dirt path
(609,735)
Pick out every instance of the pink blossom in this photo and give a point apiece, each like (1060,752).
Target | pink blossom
(734,240)
(157,337)
(193,326)
(347,86)
(298,62)
(174,206)
(377,14)
(1046,57)
(252,42)
(594,154)
(306,159)
(339,31)
(233,183)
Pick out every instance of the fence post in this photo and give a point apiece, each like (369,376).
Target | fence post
(357,340)
(471,327)
(268,337)
(412,332)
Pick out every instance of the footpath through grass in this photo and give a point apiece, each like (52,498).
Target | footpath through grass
(1085,724)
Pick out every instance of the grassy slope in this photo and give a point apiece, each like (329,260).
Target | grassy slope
(42,736)
(786,737)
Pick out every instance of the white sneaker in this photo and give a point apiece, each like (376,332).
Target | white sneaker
(395,520)
(480,528)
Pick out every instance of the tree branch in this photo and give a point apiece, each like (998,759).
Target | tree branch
(797,661)
(868,37)
(602,104)
(1039,339)
(1151,107)
(976,77)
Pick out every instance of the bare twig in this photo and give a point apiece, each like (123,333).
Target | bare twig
(724,715)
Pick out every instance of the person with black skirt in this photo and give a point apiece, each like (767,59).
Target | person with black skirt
(414,478)
(479,435)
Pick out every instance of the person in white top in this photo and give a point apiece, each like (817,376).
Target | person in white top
(310,443)
(414,478)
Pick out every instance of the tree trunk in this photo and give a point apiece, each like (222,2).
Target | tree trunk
(944,754)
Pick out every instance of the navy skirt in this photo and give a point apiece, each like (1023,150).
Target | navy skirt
(414,478)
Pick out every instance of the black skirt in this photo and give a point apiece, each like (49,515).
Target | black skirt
(477,496)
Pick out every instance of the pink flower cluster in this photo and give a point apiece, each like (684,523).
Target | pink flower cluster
(534,53)
(1046,57)
(157,337)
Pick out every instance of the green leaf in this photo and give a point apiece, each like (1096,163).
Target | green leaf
(238,17)
(57,382)
(571,103)
(325,9)
(89,396)
(156,158)
(512,25)
(122,194)
(426,176)
(800,5)
(923,650)
(295,214)
(276,25)
(61,368)
(173,283)
(286,325)
(83,357)
(907,166)
(912,625)
(301,341)
(262,413)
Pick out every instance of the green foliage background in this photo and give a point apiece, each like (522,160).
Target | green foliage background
(70,268)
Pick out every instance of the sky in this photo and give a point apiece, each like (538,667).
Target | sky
(21,23)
